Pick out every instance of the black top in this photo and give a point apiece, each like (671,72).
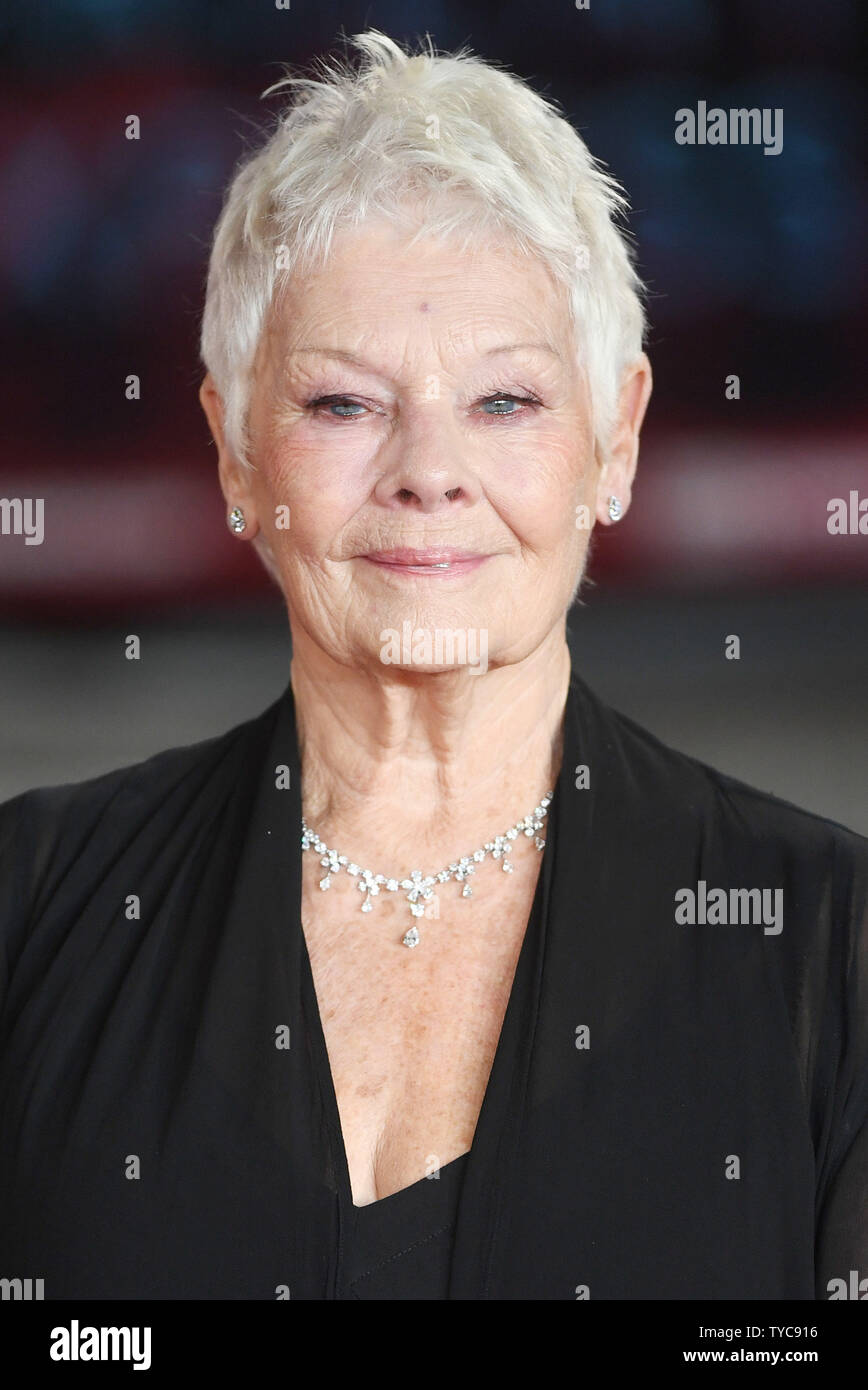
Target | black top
(676,1109)
(401,1246)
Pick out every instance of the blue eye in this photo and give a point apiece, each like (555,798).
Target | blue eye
(342,406)
(502,400)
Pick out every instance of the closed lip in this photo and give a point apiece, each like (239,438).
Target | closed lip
(423,559)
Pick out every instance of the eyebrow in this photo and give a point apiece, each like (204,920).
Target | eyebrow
(341,355)
(525,347)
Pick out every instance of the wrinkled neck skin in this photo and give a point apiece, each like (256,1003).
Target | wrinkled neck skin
(400,765)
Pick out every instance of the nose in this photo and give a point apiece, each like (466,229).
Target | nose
(425,466)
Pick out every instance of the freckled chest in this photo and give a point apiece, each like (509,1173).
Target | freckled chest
(411,1034)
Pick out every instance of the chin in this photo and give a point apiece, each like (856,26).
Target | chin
(433,648)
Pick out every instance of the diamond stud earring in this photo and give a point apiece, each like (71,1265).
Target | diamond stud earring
(236,522)
(615,509)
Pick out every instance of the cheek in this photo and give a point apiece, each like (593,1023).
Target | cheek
(537,495)
(321,492)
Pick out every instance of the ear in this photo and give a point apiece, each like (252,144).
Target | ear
(236,481)
(619,466)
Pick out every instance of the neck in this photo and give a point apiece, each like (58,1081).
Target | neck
(431,763)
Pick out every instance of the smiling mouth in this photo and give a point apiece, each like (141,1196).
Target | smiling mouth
(441,561)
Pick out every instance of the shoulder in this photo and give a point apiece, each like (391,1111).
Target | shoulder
(46,830)
(680,794)
(677,821)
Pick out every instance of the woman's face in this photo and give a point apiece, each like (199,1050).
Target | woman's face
(423,448)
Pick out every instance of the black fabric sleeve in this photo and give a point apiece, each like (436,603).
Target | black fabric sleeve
(14,886)
(842,1206)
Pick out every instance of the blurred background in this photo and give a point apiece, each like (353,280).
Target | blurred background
(754,268)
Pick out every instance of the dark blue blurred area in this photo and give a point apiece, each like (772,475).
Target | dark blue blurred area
(92,224)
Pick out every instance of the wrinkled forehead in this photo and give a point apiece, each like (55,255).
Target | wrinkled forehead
(412,292)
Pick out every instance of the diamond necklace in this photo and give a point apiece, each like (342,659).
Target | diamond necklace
(418,887)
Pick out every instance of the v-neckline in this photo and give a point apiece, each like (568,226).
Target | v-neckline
(487,1177)
(320,1049)
(396,1201)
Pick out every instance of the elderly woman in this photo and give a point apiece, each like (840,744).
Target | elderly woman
(439,978)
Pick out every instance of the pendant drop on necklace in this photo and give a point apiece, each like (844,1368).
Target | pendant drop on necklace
(418,887)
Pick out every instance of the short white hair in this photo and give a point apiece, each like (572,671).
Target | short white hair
(485,153)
